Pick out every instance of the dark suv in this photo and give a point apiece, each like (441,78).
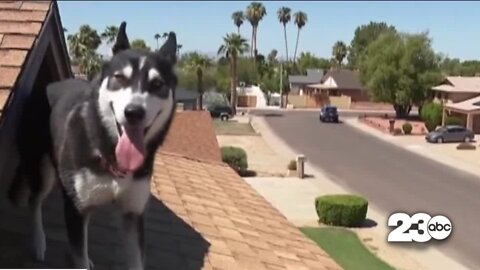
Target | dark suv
(224,112)
(329,114)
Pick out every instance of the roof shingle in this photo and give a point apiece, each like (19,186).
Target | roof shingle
(192,135)
(20,24)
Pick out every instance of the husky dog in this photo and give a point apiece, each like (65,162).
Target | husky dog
(100,144)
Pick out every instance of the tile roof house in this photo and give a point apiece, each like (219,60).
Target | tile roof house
(461,97)
(32,54)
(299,82)
(338,82)
(202,214)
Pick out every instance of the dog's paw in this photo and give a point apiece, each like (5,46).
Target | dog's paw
(39,247)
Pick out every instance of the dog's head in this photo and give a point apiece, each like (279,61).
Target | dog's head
(136,93)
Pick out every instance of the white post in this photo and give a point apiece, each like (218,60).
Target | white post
(301,166)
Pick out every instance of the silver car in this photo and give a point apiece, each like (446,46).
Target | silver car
(450,134)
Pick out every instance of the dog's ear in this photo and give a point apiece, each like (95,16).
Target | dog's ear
(121,42)
(169,48)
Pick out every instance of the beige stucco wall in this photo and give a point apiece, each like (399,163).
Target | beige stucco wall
(342,102)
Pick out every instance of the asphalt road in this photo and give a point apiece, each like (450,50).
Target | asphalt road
(393,179)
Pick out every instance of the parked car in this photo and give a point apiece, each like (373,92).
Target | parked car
(224,112)
(329,114)
(452,133)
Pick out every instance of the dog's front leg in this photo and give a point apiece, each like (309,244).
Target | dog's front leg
(132,228)
(77,231)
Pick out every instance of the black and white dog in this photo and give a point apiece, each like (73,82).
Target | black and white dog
(101,145)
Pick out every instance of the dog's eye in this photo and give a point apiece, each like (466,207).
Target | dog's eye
(120,78)
(157,83)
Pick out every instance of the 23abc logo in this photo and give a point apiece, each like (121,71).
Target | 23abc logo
(437,227)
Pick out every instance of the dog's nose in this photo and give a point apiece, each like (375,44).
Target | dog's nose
(134,113)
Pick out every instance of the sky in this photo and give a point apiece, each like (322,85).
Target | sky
(200,25)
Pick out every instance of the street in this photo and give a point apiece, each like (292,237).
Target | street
(391,178)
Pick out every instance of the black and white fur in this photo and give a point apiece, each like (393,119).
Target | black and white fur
(85,121)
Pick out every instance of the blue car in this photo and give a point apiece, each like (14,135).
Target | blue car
(329,114)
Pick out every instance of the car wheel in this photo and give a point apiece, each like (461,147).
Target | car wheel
(224,118)
(467,139)
(439,140)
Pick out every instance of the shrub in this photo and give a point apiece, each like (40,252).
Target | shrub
(292,165)
(432,113)
(236,157)
(397,131)
(430,126)
(452,120)
(407,128)
(466,146)
(341,210)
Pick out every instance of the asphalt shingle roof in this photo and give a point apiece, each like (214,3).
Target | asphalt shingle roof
(20,24)
(344,78)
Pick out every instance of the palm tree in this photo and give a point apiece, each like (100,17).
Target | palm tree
(198,63)
(233,46)
(339,52)
(284,17)
(179,46)
(254,14)
(300,21)
(165,35)
(110,34)
(157,37)
(238,18)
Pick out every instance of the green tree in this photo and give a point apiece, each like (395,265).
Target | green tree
(82,47)
(238,18)
(339,52)
(307,60)
(400,69)
(300,20)
(272,57)
(284,18)
(233,46)
(364,35)
(254,14)
(157,37)
(110,34)
(198,64)
(140,45)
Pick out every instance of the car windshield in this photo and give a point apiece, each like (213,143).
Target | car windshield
(441,130)
(331,109)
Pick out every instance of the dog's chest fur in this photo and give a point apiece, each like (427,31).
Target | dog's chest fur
(92,189)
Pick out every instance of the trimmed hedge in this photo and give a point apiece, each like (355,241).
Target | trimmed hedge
(236,157)
(341,210)
(407,128)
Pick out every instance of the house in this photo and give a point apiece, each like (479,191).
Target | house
(202,215)
(33,54)
(340,82)
(461,99)
(298,83)
(340,88)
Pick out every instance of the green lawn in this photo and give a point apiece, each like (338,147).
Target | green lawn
(345,248)
(233,127)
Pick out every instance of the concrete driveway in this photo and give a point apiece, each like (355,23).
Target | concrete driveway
(392,178)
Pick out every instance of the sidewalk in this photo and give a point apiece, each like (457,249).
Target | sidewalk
(281,193)
(468,161)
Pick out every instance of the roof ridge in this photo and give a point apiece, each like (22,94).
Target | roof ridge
(200,160)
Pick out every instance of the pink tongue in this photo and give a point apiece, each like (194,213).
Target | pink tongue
(130,150)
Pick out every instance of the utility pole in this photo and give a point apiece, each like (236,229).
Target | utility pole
(281,85)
